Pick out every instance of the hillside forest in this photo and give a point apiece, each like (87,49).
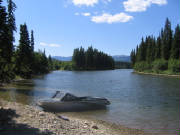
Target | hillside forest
(159,55)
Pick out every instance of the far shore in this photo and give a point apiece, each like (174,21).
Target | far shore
(19,119)
(156,74)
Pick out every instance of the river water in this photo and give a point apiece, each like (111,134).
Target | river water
(151,103)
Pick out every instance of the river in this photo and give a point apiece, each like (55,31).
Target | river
(145,102)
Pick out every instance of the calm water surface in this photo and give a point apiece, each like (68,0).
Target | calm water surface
(146,102)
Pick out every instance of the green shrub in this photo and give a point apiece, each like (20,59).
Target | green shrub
(67,65)
(174,65)
(159,64)
(141,66)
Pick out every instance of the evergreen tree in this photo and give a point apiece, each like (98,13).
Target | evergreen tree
(3,18)
(133,57)
(158,52)
(91,59)
(75,57)
(11,23)
(153,48)
(44,63)
(24,53)
(27,61)
(150,49)
(175,50)
(50,63)
(95,59)
(6,67)
(32,40)
(166,40)
(141,55)
(158,48)
(81,57)
(3,31)
(137,49)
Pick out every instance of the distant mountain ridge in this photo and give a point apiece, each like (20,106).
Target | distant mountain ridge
(61,58)
(122,58)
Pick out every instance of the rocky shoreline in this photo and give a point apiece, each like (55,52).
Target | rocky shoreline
(19,119)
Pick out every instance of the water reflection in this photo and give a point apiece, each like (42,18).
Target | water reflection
(140,101)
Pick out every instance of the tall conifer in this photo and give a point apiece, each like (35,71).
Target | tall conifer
(175,50)
(166,40)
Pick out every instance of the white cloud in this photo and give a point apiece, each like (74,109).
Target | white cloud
(108,18)
(141,5)
(54,45)
(159,2)
(85,2)
(43,44)
(106,1)
(86,14)
(49,45)
(76,14)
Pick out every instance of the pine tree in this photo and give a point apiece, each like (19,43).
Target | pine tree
(50,63)
(75,57)
(137,50)
(11,24)
(175,50)
(32,40)
(3,26)
(153,48)
(6,67)
(24,53)
(149,54)
(89,57)
(141,56)
(81,57)
(44,63)
(166,40)
(158,48)
(133,57)
(3,31)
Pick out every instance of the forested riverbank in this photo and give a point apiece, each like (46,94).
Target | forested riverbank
(90,59)
(157,74)
(19,61)
(159,55)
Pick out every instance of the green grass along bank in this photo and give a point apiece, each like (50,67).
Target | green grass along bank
(165,73)
(159,67)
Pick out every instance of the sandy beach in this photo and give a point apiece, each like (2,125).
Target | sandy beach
(19,119)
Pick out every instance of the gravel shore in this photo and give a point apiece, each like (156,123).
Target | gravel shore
(19,119)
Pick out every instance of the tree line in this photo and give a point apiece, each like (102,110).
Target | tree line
(161,54)
(91,59)
(122,65)
(19,60)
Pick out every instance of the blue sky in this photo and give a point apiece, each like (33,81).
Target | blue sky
(112,26)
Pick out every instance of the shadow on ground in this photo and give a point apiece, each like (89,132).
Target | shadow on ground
(84,108)
(9,127)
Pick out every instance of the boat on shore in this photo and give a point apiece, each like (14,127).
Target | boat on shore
(69,102)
